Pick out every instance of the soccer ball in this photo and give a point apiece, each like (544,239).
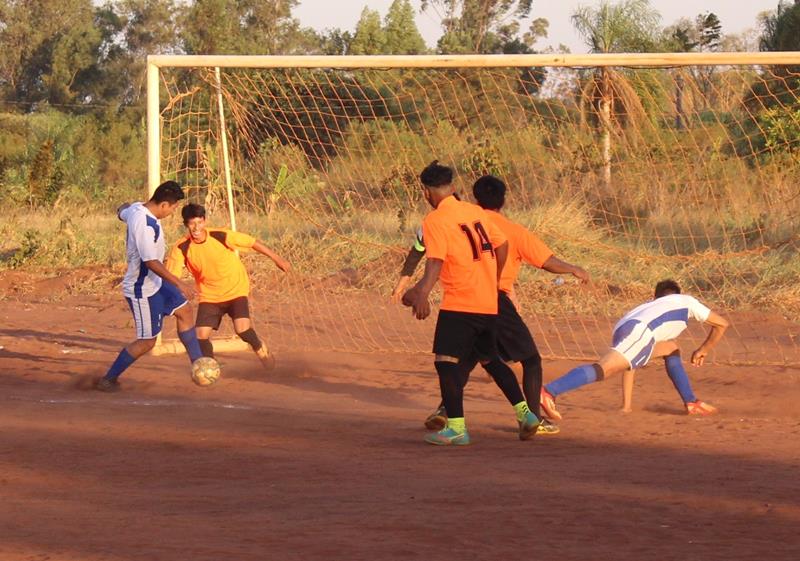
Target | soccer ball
(205,371)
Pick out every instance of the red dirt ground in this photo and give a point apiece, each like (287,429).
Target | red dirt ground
(323,459)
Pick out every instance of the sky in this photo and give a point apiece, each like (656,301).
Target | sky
(736,16)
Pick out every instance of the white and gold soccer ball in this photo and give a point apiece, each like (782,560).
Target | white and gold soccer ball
(205,371)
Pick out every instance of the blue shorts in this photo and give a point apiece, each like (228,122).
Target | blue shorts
(635,341)
(149,312)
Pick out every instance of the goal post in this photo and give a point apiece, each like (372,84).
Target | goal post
(636,166)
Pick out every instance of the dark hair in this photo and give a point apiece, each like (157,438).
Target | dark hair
(667,287)
(192,210)
(436,175)
(169,192)
(490,192)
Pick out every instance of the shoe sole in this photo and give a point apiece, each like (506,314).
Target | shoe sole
(447,443)
(528,433)
(550,413)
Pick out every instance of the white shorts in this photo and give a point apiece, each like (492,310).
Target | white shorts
(149,311)
(635,341)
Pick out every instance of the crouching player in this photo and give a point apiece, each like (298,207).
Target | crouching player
(151,290)
(220,277)
(648,331)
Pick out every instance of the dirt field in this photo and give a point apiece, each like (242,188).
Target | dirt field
(324,460)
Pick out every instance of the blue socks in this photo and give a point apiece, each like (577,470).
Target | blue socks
(679,378)
(573,379)
(124,360)
(189,340)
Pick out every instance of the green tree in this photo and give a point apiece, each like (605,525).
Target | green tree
(369,37)
(485,26)
(244,27)
(400,30)
(335,42)
(46,45)
(627,26)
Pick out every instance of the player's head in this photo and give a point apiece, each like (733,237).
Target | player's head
(489,192)
(165,199)
(667,287)
(437,182)
(194,218)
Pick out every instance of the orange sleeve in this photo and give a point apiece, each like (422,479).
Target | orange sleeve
(175,261)
(239,240)
(435,238)
(496,235)
(533,250)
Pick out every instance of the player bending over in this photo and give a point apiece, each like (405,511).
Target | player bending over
(220,278)
(466,251)
(648,331)
(514,339)
(151,290)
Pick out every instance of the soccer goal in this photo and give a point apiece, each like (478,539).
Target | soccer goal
(639,167)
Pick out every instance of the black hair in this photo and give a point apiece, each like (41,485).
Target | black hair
(192,210)
(167,192)
(667,287)
(436,175)
(490,192)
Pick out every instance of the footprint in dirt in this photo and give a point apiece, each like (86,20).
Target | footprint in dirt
(84,382)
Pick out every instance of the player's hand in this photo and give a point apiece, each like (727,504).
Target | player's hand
(699,356)
(397,293)
(283,264)
(581,275)
(420,306)
(186,289)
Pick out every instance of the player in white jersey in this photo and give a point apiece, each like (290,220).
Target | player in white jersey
(152,292)
(648,331)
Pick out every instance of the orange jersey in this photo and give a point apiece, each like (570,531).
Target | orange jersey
(522,246)
(463,236)
(217,270)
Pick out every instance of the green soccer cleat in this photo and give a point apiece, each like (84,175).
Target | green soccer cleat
(437,420)
(448,437)
(529,427)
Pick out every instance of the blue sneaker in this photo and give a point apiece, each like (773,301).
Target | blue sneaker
(448,437)
(529,426)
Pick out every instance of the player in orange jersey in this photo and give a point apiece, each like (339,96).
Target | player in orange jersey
(222,282)
(466,252)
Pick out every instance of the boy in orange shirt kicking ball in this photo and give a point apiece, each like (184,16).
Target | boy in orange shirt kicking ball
(222,282)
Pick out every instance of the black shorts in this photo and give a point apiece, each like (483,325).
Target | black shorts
(209,314)
(464,335)
(514,339)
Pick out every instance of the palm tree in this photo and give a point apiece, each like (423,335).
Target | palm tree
(626,26)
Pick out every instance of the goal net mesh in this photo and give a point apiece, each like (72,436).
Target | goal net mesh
(636,174)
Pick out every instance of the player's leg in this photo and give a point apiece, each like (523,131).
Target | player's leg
(148,314)
(627,390)
(438,419)
(209,317)
(515,343)
(174,304)
(240,313)
(487,349)
(677,374)
(452,342)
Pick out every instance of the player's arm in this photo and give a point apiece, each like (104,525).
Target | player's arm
(501,254)
(409,266)
(145,245)
(558,266)
(417,296)
(176,262)
(718,327)
(281,263)
(161,270)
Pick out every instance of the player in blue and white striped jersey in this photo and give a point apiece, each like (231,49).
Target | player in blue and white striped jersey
(152,292)
(648,331)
